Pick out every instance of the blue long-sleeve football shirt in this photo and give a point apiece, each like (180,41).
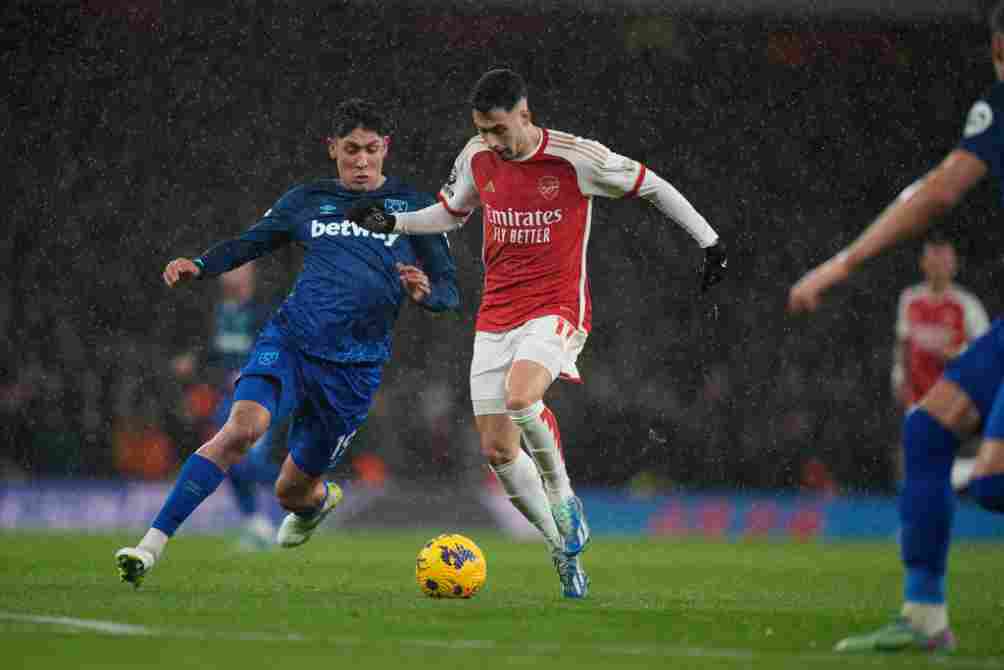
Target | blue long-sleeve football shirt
(347,296)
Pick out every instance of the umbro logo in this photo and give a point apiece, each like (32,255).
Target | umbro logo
(328,209)
(489,187)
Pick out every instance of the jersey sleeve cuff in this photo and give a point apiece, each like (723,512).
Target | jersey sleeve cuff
(453,212)
(637,182)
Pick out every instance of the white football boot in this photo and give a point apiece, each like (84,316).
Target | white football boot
(295,529)
(133,564)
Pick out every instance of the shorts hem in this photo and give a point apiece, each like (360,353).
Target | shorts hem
(296,459)
(486,406)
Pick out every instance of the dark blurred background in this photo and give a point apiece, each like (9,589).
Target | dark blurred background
(137,131)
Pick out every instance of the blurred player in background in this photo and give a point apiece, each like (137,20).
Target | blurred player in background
(536,188)
(238,318)
(319,359)
(967,398)
(935,321)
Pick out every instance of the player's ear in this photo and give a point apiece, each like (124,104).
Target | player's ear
(524,111)
(386,144)
(997,48)
(333,148)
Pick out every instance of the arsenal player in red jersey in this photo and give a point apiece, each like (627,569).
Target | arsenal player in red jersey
(536,188)
(935,321)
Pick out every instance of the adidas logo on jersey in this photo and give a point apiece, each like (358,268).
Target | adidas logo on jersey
(348,229)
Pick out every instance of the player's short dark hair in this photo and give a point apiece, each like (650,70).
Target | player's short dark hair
(997,18)
(498,89)
(358,113)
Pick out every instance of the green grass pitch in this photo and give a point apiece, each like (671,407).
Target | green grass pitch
(349,600)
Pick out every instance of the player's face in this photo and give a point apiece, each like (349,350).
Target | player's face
(359,156)
(507,133)
(939,262)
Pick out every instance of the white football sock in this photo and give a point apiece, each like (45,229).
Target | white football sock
(543,440)
(925,617)
(154,541)
(521,483)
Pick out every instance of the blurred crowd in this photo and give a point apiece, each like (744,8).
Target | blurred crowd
(135,142)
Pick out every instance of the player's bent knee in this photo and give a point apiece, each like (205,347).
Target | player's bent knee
(951,407)
(515,402)
(499,438)
(498,451)
(246,424)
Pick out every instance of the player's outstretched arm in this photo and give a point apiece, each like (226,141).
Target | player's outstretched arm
(180,270)
(431,220)
(913,212)
(607,174)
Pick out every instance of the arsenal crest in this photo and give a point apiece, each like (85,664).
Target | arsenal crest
(548,187)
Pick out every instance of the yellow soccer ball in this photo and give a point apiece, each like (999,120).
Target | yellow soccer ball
(450,566)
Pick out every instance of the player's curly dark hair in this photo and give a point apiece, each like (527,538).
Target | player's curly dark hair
(358,113)
(997,18)
(498,89)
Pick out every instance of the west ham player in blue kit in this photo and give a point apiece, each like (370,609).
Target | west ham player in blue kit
(968,398)
(319,359)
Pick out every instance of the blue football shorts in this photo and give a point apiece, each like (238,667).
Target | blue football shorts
(327,401)
(979,371)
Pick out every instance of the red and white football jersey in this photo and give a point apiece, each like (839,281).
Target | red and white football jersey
(536,214)
(927,323)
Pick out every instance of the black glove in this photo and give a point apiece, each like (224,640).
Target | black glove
(371,216)
(715,264)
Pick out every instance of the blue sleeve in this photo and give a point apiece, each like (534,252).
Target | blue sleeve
(433,253)
(272,231)
(984,132)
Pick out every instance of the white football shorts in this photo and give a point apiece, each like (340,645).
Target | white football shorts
(549,340)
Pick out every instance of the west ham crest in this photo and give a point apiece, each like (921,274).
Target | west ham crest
(392,206)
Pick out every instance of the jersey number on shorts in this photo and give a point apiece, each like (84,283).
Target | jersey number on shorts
(341,446)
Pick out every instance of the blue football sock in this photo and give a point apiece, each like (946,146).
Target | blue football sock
(926,506)
(988,491)
(198,478)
